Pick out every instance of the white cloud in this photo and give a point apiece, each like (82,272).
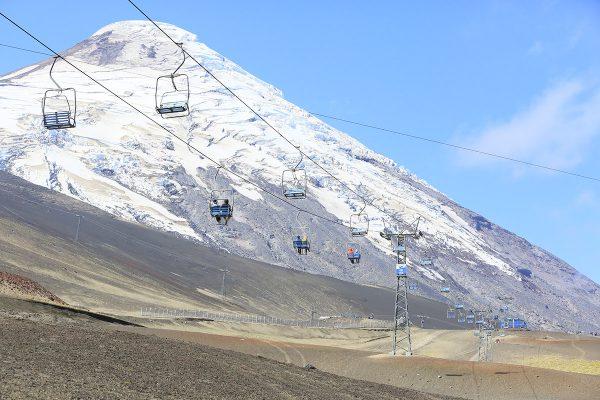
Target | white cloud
(555,130)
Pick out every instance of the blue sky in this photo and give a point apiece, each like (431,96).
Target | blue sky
(518,78)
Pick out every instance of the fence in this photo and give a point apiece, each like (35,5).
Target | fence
(334,323)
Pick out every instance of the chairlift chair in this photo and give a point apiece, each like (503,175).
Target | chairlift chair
(353,252)
(221,205)
(293,183)
(470,318)
(426,261)
(445,290)
(301,244)
(300,241)
(221,202)
(450,313)
(174,101)
(359,223)
(459,306)
(461,317)
(59,106)
(413,286)
(294,180)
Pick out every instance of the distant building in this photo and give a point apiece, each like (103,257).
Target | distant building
(513,323)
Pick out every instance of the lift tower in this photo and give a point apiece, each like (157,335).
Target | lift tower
(401,338)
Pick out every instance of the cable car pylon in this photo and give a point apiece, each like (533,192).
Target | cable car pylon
(401,337)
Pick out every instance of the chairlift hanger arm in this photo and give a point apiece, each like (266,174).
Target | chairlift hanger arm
(51,69)
(299,161)
(183,61)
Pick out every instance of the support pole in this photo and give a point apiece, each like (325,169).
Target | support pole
(401,336)
(78,226)
(225,271)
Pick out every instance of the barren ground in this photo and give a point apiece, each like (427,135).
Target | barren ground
(50,353)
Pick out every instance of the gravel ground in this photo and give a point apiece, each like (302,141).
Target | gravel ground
(70,359)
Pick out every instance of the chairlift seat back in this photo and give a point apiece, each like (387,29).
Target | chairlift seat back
(221,210)
(301,244)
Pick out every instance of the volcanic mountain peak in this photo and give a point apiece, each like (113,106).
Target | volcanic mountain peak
(120,161)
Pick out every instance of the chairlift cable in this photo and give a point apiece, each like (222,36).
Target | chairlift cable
(246,180)
(365,125)
(473,150)
(263,119)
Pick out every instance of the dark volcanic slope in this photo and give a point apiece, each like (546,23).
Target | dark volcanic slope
(74,361)
(117,267)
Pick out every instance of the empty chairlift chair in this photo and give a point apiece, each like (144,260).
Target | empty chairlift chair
(294,181)
(172,94)
(359,224)
(59,106)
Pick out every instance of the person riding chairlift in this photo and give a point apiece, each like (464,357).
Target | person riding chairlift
(353,255)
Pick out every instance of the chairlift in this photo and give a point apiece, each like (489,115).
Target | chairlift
(353,252)
(359,223)
(300,241)
(172,93)
(470,317)
(450,313)
(59,106)
(294,181)
(221,203)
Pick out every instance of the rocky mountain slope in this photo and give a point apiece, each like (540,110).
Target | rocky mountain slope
(122,163)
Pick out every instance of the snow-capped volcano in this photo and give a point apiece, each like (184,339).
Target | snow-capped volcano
(119,161)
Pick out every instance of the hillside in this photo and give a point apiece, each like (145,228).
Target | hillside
(119,162)
(117,267)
